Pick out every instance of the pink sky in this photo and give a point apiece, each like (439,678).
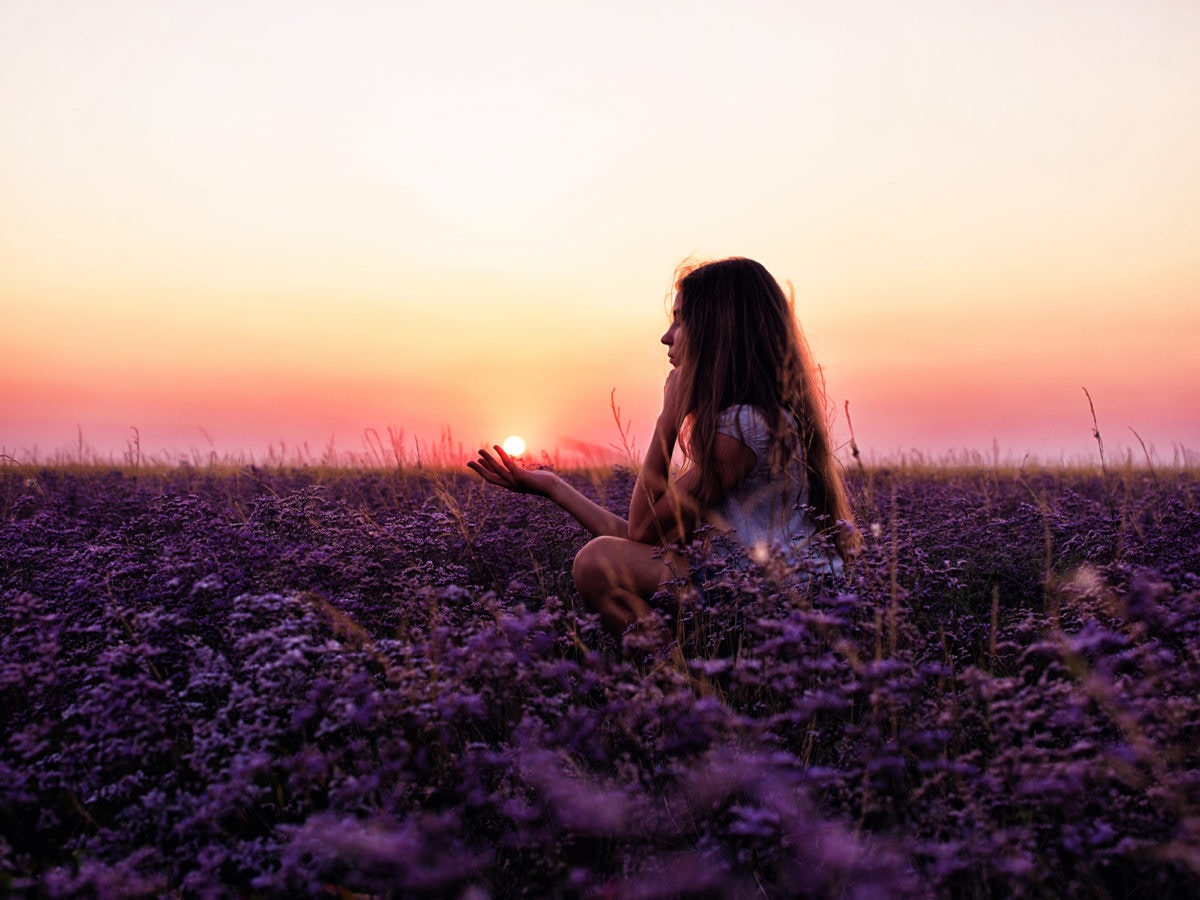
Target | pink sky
(239,229)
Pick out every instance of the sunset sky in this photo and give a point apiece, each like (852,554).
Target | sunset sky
(242,225)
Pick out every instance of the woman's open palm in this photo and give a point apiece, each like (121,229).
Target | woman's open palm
(506,472)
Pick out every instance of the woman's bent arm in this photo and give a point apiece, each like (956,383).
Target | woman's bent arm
(663,511)
(659,511)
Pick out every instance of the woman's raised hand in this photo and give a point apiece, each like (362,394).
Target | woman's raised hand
(506,472)
(673,411)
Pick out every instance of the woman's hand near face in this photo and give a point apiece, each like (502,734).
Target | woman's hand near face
(673,411)
(506,472)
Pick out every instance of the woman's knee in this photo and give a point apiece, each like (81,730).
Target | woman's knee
(594,568)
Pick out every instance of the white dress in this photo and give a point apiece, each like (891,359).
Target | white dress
(769,512)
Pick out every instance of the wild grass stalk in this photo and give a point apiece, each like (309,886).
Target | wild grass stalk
(1100,446)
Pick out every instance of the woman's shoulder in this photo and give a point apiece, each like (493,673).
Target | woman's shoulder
(745,422)
(742,414)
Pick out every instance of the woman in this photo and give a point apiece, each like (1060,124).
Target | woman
(744,401)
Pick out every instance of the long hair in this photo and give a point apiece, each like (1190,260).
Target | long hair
(743,345)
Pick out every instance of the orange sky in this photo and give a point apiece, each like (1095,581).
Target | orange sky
(240,227)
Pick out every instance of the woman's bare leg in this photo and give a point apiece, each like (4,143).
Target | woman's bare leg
(616,577)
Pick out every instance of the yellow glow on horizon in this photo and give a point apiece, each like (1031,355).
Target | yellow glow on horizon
(514,445)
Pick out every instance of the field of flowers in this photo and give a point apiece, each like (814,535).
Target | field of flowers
(305,682)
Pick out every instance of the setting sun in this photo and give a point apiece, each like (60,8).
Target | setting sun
(514,445)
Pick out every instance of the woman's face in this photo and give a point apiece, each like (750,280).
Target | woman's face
(673,337)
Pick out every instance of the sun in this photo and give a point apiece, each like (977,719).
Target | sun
(514,445)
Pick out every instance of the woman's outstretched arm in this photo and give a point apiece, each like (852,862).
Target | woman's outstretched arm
(506,472)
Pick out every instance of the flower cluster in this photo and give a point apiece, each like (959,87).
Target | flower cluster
(290,683)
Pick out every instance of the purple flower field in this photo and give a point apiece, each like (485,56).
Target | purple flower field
(267,683)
